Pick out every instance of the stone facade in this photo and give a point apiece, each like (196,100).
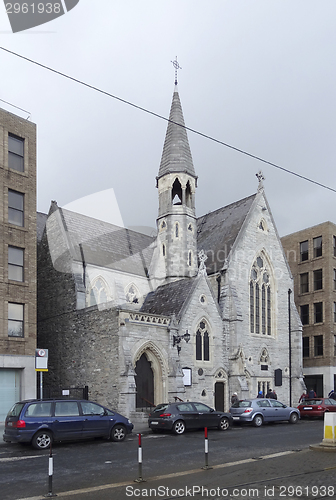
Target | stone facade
(311,254)
(196,313)
(17,259)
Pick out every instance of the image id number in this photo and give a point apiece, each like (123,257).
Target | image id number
(32,8)
(304,491)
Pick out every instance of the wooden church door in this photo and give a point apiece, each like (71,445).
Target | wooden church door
(219,396)
(144,380)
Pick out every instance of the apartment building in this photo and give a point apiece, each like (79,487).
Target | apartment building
(311,254)
(17,259)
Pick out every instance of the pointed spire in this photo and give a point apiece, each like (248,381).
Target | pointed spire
(176,155)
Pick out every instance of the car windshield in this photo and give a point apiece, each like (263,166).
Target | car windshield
(160,408)
(15,410)
(313,402)
(242,404)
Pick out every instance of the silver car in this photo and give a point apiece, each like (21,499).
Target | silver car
(258,411)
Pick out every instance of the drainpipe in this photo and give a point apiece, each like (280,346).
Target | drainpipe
(290,346)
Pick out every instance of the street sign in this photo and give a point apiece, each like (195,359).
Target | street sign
(41,360)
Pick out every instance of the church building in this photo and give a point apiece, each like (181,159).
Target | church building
(199,311)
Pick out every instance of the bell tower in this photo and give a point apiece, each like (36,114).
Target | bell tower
(176,183)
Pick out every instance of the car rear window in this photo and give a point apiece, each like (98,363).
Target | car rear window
(263,403)
(15,410)
(186,407)
(160,408)
(242,404)
(89,408)
(38,410)
(313,402)
(66,409)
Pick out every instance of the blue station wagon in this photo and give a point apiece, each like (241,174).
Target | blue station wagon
(40,422)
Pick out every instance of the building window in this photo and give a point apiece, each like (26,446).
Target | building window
(305,347)
(304,250)
(334,312)
(98,293)
(334,245)
(15,208)
(334,345)
(176,230)
(318,312)
(260,299)
(189,259)
(163,250)
(264,386)
(15,263)
(202,342)
(15,153)
(334,279)
(132,294)
(304,283)
(318,279)
(317,244)
(305,314)
(177,193)
(318,345)
(15,320)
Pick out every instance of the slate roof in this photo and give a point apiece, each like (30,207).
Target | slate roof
(169,299)
(107,245)
(218,230)
(41,220)
(176,154)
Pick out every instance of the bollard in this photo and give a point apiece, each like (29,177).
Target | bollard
(206,447)
(51,471)
(140,478)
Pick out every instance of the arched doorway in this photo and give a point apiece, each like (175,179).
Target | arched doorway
(144,380)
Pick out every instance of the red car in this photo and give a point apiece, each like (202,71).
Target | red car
(316,407)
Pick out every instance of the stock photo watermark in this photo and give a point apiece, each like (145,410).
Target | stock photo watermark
(25,15)
(218,492)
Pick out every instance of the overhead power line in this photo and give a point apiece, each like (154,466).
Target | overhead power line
(92,87)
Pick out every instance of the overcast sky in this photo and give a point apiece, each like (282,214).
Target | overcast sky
(257,74)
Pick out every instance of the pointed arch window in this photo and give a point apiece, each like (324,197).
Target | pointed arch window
(177,193)
(202,342)
(132,294)
(98,293)
(260,298)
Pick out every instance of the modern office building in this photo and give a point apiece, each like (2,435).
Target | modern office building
(311,254)
(17,259)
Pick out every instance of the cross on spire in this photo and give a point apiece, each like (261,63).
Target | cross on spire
(261,178)
(177,67)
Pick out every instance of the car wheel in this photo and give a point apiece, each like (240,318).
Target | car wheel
(257,421)
(179,427)
(118,433)
(42,440)
(224,424)
(293,418)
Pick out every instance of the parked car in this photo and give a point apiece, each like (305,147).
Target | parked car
(258,411)
(316,407)
(40,422)
(179,417)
